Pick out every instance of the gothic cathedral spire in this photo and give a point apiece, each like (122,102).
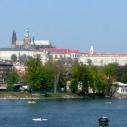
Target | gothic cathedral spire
(14,39)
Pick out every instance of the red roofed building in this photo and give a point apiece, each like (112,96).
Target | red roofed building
(101,59)
(58,53)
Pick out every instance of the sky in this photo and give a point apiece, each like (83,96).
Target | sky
(74,24)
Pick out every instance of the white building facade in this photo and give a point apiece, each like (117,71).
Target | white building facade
(6,55)
(121,88)
(99,59)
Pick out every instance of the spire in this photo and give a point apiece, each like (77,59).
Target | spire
(91,49)
(33,38)
(27,32)
(14,38)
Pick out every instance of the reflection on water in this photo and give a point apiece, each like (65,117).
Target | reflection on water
(63,112)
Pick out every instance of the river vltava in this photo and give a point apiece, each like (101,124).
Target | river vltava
(63,112)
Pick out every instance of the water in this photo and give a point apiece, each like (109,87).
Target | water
(63,113)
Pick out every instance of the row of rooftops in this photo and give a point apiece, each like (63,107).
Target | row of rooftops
(53,50)
(60,50)
(66,51)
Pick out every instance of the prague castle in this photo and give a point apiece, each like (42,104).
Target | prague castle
(29,46)
(29,42)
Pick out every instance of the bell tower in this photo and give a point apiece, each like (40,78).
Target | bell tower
(27,39)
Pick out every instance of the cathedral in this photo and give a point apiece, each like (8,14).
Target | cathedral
(29,43)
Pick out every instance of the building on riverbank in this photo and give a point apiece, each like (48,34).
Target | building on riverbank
(121,88)
(5,69)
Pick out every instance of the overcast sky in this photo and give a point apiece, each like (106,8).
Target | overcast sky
(74,24)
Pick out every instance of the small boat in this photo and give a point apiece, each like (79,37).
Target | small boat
(39,119)
(103,121)
(108,102)
(31,102)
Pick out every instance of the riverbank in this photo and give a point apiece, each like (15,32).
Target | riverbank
(26,95)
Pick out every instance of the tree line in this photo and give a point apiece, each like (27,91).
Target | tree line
(53,76)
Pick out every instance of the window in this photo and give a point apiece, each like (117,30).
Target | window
(55,56)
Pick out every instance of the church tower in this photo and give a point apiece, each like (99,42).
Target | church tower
(27,40)
(91,50)
(13,41)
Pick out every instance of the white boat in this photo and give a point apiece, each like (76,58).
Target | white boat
(108,102)
(31,102)
(39,119)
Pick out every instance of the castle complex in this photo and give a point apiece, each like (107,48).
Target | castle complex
(29,42)
(29,46)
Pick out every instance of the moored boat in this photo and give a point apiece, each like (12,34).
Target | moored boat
(39,119)
(103,121)
(31,102)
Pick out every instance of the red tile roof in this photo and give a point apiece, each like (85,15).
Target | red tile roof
(60,50)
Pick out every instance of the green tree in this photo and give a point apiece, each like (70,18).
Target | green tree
(101,82)
(91,77)
(89,61)
(48,78)
(57,73)
(57,69)
(13,78)
(74,85)
(63,78)
(82,74)
(14,57)
(34,73)
(121,74)
(110,71)
(93,74)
